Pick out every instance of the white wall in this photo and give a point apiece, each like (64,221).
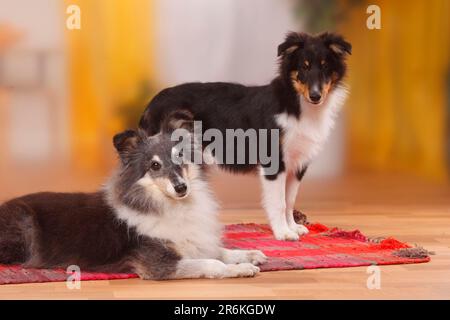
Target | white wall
(39,19)
(34,105)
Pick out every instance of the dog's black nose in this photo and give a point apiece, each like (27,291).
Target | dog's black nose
(180,189)
(315,96)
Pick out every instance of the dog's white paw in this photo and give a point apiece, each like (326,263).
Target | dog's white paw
(286,234)
(244,256)
(301,230)
(256,257)
(241,270)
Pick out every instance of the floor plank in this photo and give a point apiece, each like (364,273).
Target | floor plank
(406,208)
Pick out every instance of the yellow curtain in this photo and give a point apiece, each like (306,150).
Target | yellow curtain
(110,58)
(397,109)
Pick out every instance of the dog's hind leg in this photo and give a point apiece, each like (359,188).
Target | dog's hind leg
(274,202)
(212,268)
(255,257)
(18,243)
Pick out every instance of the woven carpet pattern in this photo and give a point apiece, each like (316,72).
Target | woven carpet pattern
(321,248)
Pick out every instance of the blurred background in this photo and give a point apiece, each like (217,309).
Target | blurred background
(65,92)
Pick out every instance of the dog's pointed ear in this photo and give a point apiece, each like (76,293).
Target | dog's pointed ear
(125,143)
(178,119)
(292,42)
(337,43)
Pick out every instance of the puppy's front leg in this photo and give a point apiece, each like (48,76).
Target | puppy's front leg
(212,268)
(274,201)
(292,184)
(255,257)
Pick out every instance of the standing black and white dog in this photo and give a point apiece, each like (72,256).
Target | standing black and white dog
(155,218)
(302,102)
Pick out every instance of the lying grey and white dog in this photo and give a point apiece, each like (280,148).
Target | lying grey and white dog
(155,218)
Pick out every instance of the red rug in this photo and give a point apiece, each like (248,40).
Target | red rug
(321,248)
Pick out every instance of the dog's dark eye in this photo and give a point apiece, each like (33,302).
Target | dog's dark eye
(155,166)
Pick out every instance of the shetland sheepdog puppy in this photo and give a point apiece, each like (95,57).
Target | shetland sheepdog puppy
(154,218)
(301,102)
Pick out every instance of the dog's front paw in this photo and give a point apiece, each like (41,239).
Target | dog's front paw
(244,256)
(256,257)
(241,270)
(286,234)
(299,229)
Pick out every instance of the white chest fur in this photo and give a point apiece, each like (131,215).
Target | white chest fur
(303,138)
(191,224)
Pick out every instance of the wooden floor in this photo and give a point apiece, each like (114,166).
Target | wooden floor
(408,209)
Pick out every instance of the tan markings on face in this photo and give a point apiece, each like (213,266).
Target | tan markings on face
(322,62)
(188,171)
(334,77)
(192,172)
(325,89)
(307,63)
(151,186)
(156,184)
(300,87)
(165,186)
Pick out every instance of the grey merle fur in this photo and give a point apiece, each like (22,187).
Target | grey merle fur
(50,230)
